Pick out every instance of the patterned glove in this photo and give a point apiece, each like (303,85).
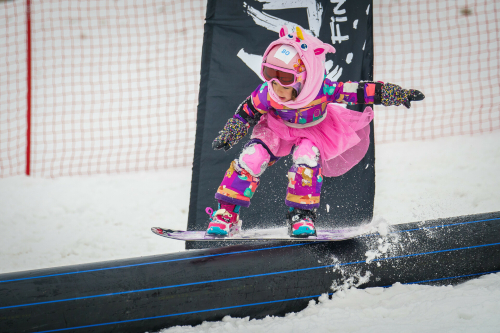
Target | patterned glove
(234,130)
(392,94)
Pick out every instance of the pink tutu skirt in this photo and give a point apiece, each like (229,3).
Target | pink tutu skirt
(342,137)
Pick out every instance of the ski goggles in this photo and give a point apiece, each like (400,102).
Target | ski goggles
(286,77)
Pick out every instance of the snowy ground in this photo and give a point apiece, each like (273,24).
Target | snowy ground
(421,180)
(63,221)
(470,307)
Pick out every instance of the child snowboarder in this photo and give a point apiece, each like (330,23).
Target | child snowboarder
(293,112)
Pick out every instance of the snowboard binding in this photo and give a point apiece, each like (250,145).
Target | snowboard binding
(301,222)
(223,222)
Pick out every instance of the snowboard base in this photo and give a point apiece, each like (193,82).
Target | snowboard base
(277,234)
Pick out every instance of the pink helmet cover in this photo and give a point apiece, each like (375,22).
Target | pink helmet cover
(274,59)
(312,51)
(292,62)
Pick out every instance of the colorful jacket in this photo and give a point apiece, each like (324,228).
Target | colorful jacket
(260,102)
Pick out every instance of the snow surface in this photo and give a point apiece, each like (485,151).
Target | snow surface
(422,180)
(470,307)
(73,220)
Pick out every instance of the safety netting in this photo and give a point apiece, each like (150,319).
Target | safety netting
(13,89)
(450,51)
(114,84)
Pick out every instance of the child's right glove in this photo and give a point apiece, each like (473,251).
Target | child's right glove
(392,94)
(233,131)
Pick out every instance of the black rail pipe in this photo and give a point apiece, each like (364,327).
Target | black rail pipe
(256,280)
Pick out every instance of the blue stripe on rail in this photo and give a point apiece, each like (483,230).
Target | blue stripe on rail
(436,226)
(229,253)
(447,225)
(453,277)
(247,276)
(154,262)
(181,314)
(235,306)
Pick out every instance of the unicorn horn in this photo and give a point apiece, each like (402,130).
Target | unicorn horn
(299,33)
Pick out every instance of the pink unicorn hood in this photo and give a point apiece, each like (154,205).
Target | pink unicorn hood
(312,51)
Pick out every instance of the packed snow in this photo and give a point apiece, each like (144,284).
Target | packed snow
(73,220)
(470,307)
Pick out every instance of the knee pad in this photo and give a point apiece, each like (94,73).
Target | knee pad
(306,153)
(254,159)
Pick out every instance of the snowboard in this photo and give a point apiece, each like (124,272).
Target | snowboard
(277,234)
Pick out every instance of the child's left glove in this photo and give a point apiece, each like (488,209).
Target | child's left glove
(233,131)
(392,94)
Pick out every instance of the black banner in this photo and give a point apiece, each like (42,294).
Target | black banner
(236,35)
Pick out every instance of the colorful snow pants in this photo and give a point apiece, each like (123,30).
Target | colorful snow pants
(304,177)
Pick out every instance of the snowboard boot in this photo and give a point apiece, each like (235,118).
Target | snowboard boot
(225,221)
(301,222)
